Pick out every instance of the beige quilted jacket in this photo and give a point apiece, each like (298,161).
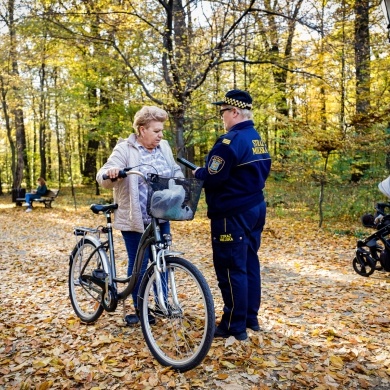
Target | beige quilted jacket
(128,216)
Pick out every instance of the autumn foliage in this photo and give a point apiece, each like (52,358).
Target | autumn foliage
(323,326)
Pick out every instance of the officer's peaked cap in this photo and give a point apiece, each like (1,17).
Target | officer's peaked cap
(237,98)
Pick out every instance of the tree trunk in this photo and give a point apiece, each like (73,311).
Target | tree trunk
(1,183)
(362,66)
(343,80)
(42,122)
(57,130)
(8,125)
(178,120)
(89,171)
(21,156)
(280,73)
(323,122)
(362,56)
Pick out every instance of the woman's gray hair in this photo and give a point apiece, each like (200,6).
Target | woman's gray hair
(148,114)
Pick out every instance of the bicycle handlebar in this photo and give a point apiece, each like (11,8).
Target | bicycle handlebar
(128,171)
(121,174)
(124,173)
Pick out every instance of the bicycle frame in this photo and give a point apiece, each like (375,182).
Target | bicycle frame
(159,249)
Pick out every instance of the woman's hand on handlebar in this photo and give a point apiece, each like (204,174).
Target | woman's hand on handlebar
(113,174)
(118,174)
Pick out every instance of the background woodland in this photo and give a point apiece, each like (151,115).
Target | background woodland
(73,73)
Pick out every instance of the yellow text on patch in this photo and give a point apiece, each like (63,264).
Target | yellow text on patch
(225,237)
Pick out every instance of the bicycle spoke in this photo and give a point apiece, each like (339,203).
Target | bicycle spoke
(181,336)
(84,294)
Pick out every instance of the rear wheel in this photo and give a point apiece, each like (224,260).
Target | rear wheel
(85,295)
(180,336)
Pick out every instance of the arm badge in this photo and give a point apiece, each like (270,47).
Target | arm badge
(215,165)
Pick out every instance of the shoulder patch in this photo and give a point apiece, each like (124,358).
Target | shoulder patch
(216,164)
(226,141)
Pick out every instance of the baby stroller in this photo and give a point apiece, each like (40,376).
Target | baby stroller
(373,252)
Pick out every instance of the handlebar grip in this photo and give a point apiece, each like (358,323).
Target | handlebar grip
(187,163)
(121,174)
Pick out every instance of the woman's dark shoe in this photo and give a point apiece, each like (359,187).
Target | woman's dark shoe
(133,319)
(220,333)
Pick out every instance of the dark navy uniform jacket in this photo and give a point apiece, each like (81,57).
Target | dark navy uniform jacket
(235,172)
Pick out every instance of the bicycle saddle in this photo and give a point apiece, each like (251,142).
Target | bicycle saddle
(102,208)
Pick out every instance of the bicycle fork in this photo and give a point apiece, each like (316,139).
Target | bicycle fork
(160,270)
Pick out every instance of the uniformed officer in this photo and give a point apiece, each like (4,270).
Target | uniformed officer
(234,178)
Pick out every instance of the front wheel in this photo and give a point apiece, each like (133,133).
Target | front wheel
(181,335)
(85,295)
(362,266)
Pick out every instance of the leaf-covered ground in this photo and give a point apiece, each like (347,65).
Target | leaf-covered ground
(323,326)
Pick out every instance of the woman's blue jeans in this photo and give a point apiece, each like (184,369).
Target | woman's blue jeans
(132,240)
(30,197)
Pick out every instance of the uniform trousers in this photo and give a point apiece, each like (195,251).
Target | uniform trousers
(235,242)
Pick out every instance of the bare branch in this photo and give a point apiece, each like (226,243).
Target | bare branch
(270,62)
(301,21)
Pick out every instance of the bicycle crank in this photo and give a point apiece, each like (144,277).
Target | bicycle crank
(109,296)
(110,299)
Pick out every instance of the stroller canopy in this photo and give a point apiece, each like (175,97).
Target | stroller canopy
(384,187)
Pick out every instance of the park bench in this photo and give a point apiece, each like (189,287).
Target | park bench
(46,200)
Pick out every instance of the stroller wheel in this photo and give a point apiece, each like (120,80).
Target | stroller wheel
(376,255)
(362,266)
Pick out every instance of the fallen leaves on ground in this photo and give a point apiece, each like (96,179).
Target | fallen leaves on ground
(323,326)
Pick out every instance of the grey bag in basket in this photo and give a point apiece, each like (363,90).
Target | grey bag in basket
(169,203)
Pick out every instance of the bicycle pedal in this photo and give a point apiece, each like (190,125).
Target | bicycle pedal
(99,274)
(172,312)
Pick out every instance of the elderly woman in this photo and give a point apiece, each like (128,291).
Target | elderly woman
(147,151)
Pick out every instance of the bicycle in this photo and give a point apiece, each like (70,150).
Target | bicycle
(172,289)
